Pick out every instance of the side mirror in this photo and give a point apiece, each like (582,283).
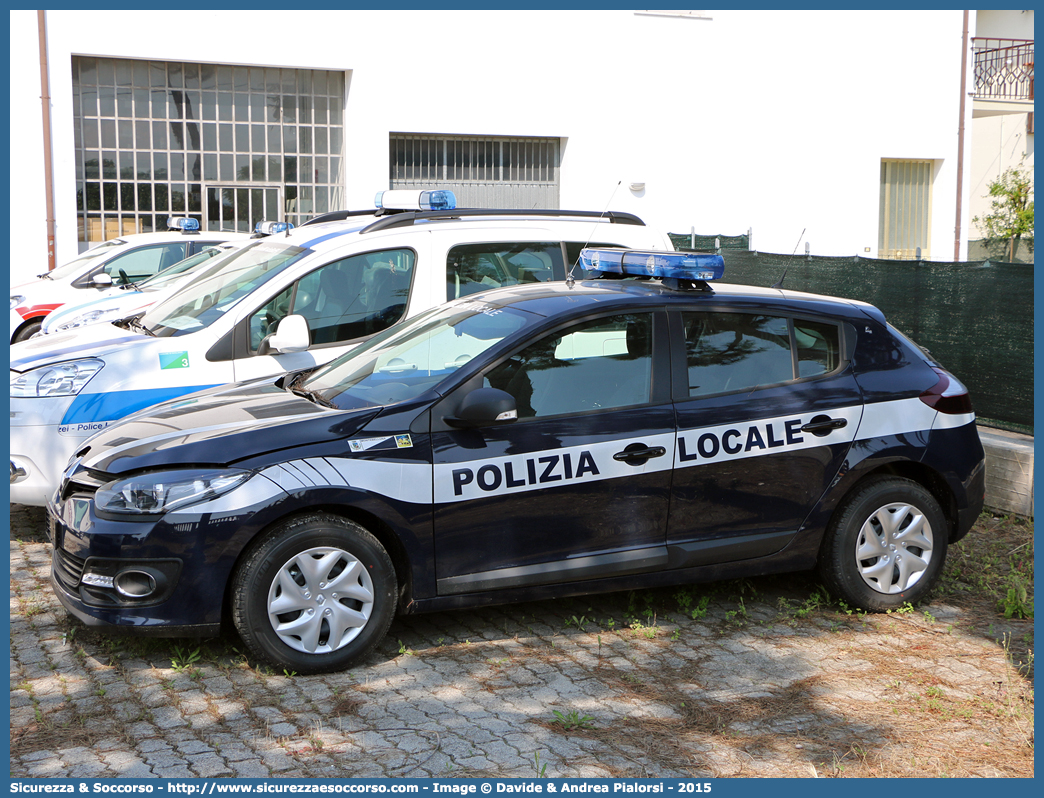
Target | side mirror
(484,407)
(102,280)
(291,335)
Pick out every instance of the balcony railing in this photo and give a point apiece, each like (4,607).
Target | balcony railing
(1003,69)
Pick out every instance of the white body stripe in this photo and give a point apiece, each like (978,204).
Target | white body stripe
(951,421)
(407,482)
(896,418)
(421,483)
(761,437)
(591,462)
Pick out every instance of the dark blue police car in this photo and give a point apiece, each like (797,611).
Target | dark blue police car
(523,443)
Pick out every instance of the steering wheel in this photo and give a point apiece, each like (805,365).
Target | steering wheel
(124,277)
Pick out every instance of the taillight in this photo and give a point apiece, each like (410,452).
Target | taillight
(948,395)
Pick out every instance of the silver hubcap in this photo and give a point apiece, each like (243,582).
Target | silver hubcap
(894,548)
(320,600)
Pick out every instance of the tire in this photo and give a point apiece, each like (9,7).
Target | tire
(889,521)
(27,331)
(291,613)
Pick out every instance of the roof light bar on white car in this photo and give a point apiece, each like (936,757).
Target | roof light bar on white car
(263,228)
(413,200)
(182,223)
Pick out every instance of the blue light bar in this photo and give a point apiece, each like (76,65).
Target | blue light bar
(182,223)
(271,228)
(414,200)
(650,263)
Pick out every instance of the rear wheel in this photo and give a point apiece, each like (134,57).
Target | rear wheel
(317,593)
(886,545)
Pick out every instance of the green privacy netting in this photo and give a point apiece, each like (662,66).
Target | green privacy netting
(976,318)
(705,243)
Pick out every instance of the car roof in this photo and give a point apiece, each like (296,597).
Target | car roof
(322,235)
(554,298)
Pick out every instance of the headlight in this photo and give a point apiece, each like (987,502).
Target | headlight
(90,317)
(151,494)
(16,301)
(61,379)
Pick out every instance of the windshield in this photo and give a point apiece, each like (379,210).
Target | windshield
(181,268)
(406,360)
(103,250)
(207,298)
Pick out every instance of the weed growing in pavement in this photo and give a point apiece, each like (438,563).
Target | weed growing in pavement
(572,720)
(184,660)
(700,610)
(541,769)
(1016,602)
(738,616)
(579,623)
(403,651)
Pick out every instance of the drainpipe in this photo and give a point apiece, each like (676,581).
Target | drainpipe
(45,87)
(960,141)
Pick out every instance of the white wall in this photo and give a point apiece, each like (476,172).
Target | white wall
(999,24)
(1000,142)
(771,120)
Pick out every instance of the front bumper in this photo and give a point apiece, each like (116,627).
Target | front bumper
(39,452)
(164,575)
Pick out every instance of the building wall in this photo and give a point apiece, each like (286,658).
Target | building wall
(774,121)
(1002,24)
(998,142)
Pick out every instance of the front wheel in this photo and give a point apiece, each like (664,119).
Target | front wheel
(317,593)
(28,331)
(886,545)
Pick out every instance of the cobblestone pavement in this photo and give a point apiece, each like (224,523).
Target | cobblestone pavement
(751,682)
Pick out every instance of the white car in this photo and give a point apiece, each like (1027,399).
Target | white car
(121,301)
(124,260)
(289,303)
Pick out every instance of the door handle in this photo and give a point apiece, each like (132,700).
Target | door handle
(824,425)
(638,453)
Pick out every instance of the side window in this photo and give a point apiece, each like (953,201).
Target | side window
(471,268)
(736,351)
(818,347)
(144,262)
(347,299)
(596,365)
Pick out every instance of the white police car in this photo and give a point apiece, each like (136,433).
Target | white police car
(123,260)
(121,301)
(529,442)
(292,301)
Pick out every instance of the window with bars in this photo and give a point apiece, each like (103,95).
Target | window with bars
(156,138)
(906,209)
(516,172)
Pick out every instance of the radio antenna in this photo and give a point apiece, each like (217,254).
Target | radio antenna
(569,274)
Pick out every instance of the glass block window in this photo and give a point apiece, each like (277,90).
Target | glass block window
(227,145)
(517,172)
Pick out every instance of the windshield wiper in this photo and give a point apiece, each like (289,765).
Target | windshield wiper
(306,393)
(134,323)
(312,396)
